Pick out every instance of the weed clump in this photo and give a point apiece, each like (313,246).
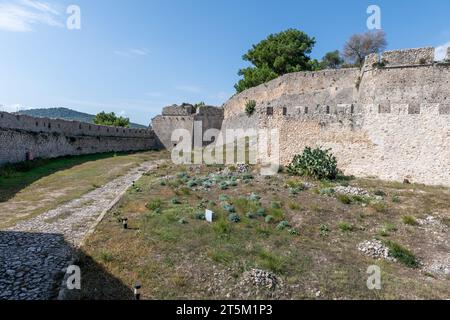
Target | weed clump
(402,254)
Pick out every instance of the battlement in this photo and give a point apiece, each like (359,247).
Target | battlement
(72,128)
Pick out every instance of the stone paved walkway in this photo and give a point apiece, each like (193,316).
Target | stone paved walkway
(34,254)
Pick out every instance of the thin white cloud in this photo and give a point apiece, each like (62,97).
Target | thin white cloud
(12,107)
(441,52)
(189,88)
(131,53)
(21,15)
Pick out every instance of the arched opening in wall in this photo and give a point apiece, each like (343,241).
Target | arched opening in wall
(306,110)
(328,109)
(49,125)
(269,111)
(352,109)
(1,116)
(79,127)
(284,111)
(37,124)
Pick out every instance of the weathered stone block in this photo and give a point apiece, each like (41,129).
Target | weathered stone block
(418,56)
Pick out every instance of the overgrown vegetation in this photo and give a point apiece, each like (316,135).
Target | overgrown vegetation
(315,163)
(110,119)
(402,254)
(250,107)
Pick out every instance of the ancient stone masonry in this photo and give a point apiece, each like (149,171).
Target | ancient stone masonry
(188,118)
(390,120)
(23,137)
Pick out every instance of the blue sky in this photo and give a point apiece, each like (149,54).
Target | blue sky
(135,57)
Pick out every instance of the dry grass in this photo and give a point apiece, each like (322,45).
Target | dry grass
(177,256)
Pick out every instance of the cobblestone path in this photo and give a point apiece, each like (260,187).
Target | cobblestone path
(34,254)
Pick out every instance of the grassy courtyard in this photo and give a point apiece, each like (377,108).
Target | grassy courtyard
(301,231)
(29,189)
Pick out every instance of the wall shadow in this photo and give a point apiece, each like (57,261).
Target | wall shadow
(32,267)
(15,177)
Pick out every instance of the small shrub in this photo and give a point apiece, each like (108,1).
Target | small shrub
(294,232)
(346,227)
(269,219)
(229,208)
(233,217)
(345,199)
(323,229)
(200,216)
(175,201)
(247,176)
(276,205)
(154,204)
(410,220)
(182,221)
(224,198)
(250,107)
(250,215)
(106,256)
(319,164)
(192,183)
(254,197)
(379,206)
(294,206)
(261,212)
(395,199)
(402,254)
(283,225)
(222,228)
(386,230)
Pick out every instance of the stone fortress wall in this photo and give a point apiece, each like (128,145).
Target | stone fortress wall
(49,138)
(390,120)
(185,116)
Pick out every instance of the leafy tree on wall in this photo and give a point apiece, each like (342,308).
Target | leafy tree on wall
(279,54)
(332,60)
(110,119)
(361,45)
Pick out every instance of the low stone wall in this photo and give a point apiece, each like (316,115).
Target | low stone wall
(49,138)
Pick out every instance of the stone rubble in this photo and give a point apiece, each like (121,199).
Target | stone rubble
(351,191)
(260,278)
(375,249)
(35,253)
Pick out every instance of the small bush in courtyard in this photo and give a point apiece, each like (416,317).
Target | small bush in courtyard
(233,217)
(154,204)
(409,220)
(402,254)
(318,163)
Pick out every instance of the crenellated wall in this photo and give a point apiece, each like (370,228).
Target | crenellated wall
(391,119)
(49,138)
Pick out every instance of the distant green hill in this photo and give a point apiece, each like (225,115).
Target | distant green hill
(66,114)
